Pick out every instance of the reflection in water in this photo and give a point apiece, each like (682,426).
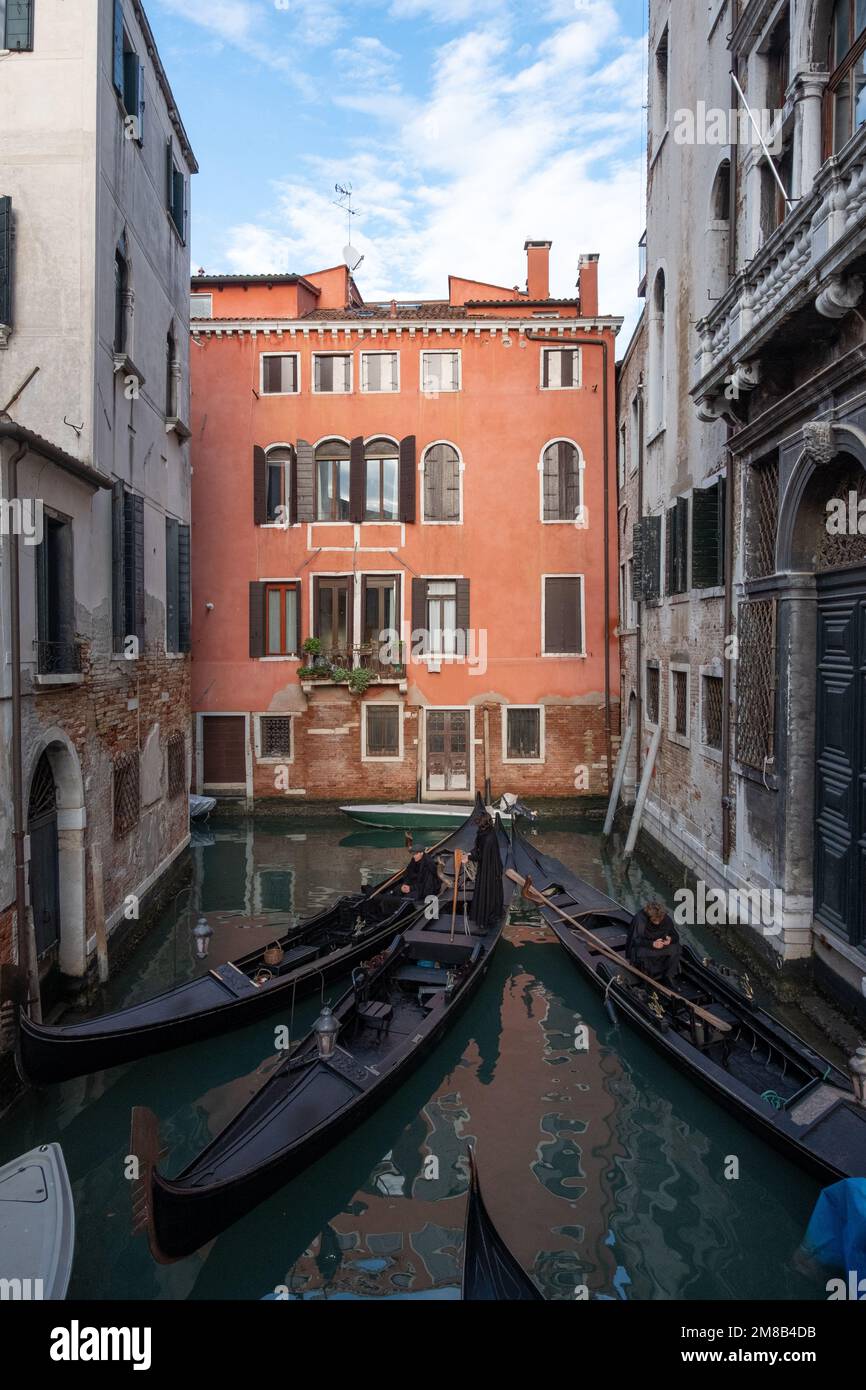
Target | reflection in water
(603,1169)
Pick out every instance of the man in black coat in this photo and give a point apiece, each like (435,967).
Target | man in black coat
(654,943)
(421,880)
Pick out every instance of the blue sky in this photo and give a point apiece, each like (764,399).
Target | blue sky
(463,126)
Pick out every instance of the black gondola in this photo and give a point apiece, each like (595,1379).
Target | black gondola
(393,1015)
(756,1067)
(229,996)
(490,1271)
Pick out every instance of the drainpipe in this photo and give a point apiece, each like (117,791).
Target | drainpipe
(26,943)
(605,349)
(727,804)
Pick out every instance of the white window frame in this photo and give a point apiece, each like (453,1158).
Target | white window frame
(365,390)
(439,656)
(269,759)
(332,352)
(379,757)
(579,521)
(269,394)
(565,656)
(389,438)
(208,296)
(674,667)
(523,762)
(429,521)
(576,385)
(287,486)
(442,352)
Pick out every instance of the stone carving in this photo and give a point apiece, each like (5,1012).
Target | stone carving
(818,442)
(840,295)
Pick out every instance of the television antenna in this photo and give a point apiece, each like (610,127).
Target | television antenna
(344,201)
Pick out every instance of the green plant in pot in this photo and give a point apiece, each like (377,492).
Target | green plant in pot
(360,680)
(340,674)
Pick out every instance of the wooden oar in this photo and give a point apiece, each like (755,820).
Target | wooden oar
(533,895)
(458,861)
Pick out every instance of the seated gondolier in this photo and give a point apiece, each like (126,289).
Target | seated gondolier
(421,878)
(654,944)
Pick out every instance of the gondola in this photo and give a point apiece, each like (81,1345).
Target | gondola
(399,1005)
(229,996)
(757,1068)
(490,1271)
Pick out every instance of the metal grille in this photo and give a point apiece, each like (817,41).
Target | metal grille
(126,794)
(43,792)
(766,520)
(176,764)
(681,702)
(383,731)
(58,658)
(848,545)
(712,703)
(523,737)
(276,732)
(756,682)
(652,694)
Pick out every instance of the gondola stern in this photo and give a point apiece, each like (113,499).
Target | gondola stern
(145,1150)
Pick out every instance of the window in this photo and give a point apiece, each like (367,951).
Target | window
(708,536)
(382,731)
(380,608)
(621,455)
(282,618)
(561,482)
(380,371)
(177,592)
(636,420)
(332,373)
(176,762)
(275,737)
(58,652)
(441,483)
(175,192)
(279,474)
(121,280)
(560,368)
(653,686)
(679,702)
(523,732)
(126,794)
(563,615)
(16,24)
(127,569)
(846,94)
(711,702)
(332,616)
(646,554)
(281,373)
(201,306)
(332,480)
(440,371)
(382,464)
(662,83)
(442,617)
(5,266)
(677,547)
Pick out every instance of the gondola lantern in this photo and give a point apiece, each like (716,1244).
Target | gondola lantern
(857,1068)
(202,931)
(326,1029)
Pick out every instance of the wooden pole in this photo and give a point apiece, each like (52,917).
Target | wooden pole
(618,776)
(458,861)
(98,888)
(637,814)
(487,788)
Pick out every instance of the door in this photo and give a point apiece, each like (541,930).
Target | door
(840,748)
(333,600)
(448,752)
(45,878)
(224,760)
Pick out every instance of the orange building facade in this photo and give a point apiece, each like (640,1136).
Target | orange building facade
(404,539)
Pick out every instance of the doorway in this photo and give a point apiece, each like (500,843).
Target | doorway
(45,879)
(448,755)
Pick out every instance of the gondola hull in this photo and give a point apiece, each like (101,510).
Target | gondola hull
(490,1271)
(796,1099)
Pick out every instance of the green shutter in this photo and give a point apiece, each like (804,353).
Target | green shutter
(183,590)
(637,559)
(118,566)
(118,47)
(172,595)
(257,619)
(6,261)
(141,103)
(708,536)
(652,556)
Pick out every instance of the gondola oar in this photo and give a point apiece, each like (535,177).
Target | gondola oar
(533,895)
(458,861)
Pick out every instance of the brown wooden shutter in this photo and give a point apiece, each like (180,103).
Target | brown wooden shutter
(260,486)
(183,590)
(257,618)
(407,479)
(305,474)
(419,612)
(357,479)
(566,369)
(562,614)
(545,367)
(298,605)
(462,606)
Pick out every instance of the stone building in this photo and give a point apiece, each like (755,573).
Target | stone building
(751,548)
(94,347)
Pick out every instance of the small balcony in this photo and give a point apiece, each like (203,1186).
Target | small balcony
(358,667)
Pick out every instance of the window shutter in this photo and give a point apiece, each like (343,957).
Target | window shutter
(19,24)
(407,478)
(6,261)
(419,612)
(137,504)
(670,550)
(260,486)
(637,559)
(708,536)
(183,586)
(141,103)
(293,489)
(171,585)
(681,575)
(357,479)
(169,177)
(462,606)
(257,619)
(545,367)
(118,46)
(652,556)
(118,568)
(179,201)
(305,490)
(298,618)
(566,369)
(562,614)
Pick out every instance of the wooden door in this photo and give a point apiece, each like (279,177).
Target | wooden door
(448,751)
(224,750)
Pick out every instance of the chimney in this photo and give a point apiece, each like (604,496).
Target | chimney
(538,268)
(393,309)
(587,285)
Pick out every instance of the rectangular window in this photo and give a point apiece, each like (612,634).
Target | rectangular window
(16,24)
(677,523)
(333,615)
(282,613)
(177,590)
(679,703)
(279,485)
(379,608)
(713,687)
(127,567)
(563,615)
(382,731)
(58,653)
(201,306)
(653,687)
(440,371)
(662,83)
(634,456)
(380,502)
(175,193)
(621,456)
(708,536)
(380,371)
(275,736)
(281,373)
(126,794)
(523,725)
(442,616)
(176,761)
(6,260)
(333,489)
(332,373)
(560,368)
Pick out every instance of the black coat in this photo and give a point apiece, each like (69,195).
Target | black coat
(487,903)
(421,878)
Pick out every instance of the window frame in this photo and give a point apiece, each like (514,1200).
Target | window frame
(273,759)
(564,656)
(381,458)
(577,384)
(332,352)
(431,521)
(4,33)
(705,673)
(838,73)
(524,762)
(201,294)
(270,394)
(282,586)
(321,443)
(378,352)
(652,665)
(440,654)
(579,519)
(678,668)
(286,465)
(441,390)
(399,756)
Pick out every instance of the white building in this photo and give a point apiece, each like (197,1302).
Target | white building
(94,292)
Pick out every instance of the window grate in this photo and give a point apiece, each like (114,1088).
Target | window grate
(176,753)
(652,694)
(383,731)
(712,703)
(523,739)
(766,482)
(276,736)
(756,669)
(681,702)
(845,545)
(126,794)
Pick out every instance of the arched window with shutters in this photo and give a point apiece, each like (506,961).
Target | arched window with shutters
(279,483)
(332,480)
(443,470)
(561,481)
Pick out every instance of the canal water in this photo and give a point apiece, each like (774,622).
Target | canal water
(603,1168)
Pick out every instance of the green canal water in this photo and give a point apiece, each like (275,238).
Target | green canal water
(603,1167)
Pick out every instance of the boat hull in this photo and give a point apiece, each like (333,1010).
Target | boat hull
(37,1224)
(409,816)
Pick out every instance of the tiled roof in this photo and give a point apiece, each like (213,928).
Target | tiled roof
(278,278)
(436,309)
(523,303)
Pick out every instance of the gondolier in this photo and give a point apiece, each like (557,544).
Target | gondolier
(485,908)
(421,878)
(654,943)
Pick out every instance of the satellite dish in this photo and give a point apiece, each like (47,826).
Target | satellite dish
(351,257)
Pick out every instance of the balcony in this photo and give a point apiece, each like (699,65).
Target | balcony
(804,266)
(357,667)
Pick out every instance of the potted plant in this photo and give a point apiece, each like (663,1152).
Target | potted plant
(360,680)
(340,674)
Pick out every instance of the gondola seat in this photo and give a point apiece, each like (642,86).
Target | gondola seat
(375,1015)
(299,955)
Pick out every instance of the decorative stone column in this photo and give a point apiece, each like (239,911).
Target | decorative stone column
(808,90)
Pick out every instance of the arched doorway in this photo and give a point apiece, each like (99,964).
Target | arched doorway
(42,828)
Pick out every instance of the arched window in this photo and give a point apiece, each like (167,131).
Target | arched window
(561,481)
(719,230)
(658,353)
(121,283)
(381,470)
(279,482)
(441,483)
(332,480)
(846,93)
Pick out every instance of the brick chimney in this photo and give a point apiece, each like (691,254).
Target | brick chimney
(587,286)
(538,268)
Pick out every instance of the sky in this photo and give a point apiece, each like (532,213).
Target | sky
(464,127)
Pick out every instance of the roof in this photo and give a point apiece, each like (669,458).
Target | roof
(165,87)
(435,309)
(524,303)
(80,468)
(279,278)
